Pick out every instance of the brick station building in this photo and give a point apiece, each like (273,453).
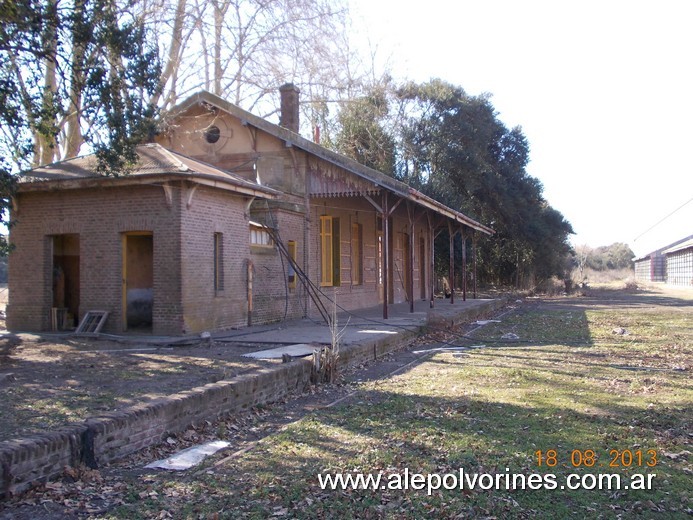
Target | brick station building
(226,220)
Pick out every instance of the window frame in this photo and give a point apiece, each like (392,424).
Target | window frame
(255,229)
(330,251)
(218,269)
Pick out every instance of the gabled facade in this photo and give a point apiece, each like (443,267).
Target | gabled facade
(228,220)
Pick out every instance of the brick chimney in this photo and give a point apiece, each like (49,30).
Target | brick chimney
(289,107)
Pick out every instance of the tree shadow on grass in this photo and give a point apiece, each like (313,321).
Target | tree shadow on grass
(50,383)
(386,432)
(587,401)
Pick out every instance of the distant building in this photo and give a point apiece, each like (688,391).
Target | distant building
(679,266)
(671,264)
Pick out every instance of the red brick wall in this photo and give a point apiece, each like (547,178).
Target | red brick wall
(99,217)
(185,299)
(358,210)
(214,211)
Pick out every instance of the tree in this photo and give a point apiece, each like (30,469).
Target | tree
(243,50)
(76,74)
(616,256)
(363,135)
(453,147)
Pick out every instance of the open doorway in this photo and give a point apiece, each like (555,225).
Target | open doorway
(65,312)
(423,266)
(138,281)
(407,267)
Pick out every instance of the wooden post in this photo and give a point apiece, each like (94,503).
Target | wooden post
(464,264)
(474,260)
(386,254)
(431,264)
(410,288)
(451,266)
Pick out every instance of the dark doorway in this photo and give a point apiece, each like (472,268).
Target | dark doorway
(65,312)
(423,266)
(138,281)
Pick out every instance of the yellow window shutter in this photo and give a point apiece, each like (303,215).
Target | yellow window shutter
(326,250)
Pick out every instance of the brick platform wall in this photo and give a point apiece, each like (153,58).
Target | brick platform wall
(101,440)
(104,439)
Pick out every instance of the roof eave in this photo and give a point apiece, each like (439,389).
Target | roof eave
(293,139)
(457,216)
(146,179)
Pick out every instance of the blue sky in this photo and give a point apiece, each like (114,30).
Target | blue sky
(602,89)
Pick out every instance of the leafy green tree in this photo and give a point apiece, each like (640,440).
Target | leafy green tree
(453,147)
(72,74)
(363,135)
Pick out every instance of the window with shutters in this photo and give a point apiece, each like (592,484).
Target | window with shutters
(218,262)
(356,254)
(329,251)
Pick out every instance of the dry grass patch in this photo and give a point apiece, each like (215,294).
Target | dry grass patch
(569,384)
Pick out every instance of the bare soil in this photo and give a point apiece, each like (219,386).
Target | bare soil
(48,381)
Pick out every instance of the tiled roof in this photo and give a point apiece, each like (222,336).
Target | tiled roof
(379,179)
(154,160)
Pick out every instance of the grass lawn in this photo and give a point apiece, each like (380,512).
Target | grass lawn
(570,397)
(605,403)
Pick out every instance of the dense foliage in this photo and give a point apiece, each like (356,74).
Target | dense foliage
(363,135)
(616,256)
(71,73)
(453,147)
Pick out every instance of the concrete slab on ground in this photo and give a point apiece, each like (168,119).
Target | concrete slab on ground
(299,350)
(358,326)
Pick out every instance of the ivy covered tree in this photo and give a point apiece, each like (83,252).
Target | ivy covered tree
(72,73)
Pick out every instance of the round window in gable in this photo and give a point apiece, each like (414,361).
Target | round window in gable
(212,134)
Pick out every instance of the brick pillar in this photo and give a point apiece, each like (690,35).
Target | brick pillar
(289,106)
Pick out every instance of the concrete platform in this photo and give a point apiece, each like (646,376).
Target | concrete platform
(364,325)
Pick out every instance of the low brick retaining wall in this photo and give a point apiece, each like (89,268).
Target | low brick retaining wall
(104,439)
